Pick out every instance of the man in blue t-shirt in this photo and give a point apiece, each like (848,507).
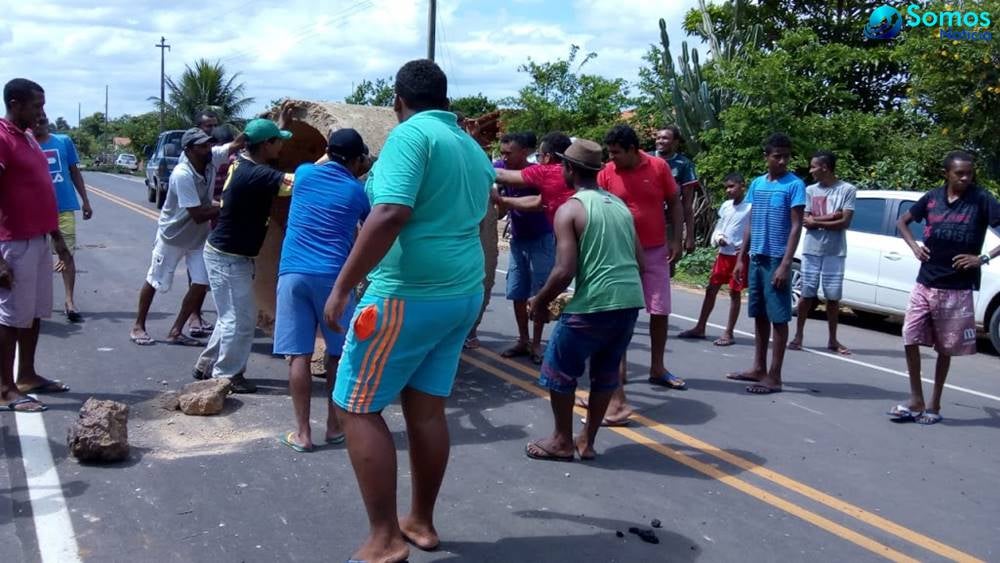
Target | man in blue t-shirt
(778,201)
(668,143)
(61,154)
(328,204)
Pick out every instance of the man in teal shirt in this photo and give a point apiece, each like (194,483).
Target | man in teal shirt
(429,190)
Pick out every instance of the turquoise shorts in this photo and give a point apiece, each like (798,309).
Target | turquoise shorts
(395,343)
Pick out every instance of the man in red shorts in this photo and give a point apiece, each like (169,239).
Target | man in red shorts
(728,236)
(941,312)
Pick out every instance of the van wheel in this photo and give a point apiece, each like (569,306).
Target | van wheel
(161,196)
(995,330)
(151,192)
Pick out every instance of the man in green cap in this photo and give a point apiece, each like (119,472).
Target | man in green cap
(233,244)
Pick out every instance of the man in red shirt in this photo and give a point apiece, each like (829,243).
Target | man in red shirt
(645,184)
(28,213)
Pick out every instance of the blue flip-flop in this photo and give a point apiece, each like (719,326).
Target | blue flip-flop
(286,439)
(669,380)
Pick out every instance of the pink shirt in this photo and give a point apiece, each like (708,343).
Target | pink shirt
(644,189)
(27,197)
(548,178)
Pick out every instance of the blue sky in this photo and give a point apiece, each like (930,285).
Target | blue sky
(291,49)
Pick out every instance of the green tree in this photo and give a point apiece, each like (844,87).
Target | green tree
(368,93)
(560,97)
(957,83)
(86,145)
(473,106)
(60,125)
(94,125)
(141,129)
(207,85)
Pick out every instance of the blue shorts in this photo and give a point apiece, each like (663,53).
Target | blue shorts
(601,338)
(765,299)
(301,298)
(531,262)
(395,343)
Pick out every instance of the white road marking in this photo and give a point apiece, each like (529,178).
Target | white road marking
(53,526)
(794,404)
(123,177)
(841,358)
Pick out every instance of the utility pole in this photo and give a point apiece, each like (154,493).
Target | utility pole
(163,50)
(79,113)
(431,28)
(106,119)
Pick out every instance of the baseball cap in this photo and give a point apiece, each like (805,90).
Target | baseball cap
(346,143)
(260,130)
(195,136)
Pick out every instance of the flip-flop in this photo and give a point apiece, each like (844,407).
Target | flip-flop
(146,340)
(724,342)
(793,346)
(183,340)
(903,413)
(516,351)
(928,418)
(591,457)
(537,359)
(338,439)
(606,423)
(73,316)
(286,439)
(50,386)
(740,376)
(199,332)
(762,389)
(669,381)
(545,455)
(12,406)
(690,335)
(843,351)
(471,344)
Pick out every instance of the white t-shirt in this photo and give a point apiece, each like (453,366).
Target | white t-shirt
(731,226)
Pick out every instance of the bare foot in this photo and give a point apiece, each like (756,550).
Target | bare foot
(393,551)
(584,449)
(752,375)
(618,416)
(421,534)
(692,333)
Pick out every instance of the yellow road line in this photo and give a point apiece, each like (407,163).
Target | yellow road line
(851,510)
(760,494)
(860,540)
(124,202)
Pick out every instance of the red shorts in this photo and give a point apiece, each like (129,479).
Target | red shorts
(722,273)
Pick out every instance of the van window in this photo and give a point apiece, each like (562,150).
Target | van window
(869,216)
(916,227)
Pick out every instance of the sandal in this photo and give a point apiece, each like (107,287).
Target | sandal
(36,405)
(183,340)
(723,341)
(670,381)
(471,343)
(903,413)
(928,418)
(516,351)
(536,358)
(286,439)
(762,390)
(545,455)
(48,386)
(144,340)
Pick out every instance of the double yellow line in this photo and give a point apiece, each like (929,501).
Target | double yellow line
(758,493)
(687,460)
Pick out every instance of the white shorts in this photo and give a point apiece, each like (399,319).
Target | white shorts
(826,271)
(165,260)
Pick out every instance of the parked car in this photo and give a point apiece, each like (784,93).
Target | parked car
(881,270)
(161,160)
(127,161)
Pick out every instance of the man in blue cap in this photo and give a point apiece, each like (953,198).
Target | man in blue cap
(235,241)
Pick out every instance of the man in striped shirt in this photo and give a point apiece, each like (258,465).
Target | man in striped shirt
(778,201)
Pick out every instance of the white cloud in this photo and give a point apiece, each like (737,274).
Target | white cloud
(292,49)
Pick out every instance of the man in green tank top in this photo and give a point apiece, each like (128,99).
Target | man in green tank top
(596,242)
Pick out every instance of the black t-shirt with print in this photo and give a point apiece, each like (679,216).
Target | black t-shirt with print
(246,207)
(951,229)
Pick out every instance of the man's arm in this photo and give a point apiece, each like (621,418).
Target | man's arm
(640,257)
(510,177)
(687,202)
(784,269)
(676,218)
(841,220)
(203,213)
(81,188)
(524,203)
(567,250)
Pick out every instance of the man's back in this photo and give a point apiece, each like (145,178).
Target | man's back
(430,165)
(607,276)
(326,207)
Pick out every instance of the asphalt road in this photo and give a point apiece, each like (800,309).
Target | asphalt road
(817,472)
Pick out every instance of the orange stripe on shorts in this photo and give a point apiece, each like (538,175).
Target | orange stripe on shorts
(383,330)
(366,401)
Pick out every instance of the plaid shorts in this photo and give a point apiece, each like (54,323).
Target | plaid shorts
(942,318)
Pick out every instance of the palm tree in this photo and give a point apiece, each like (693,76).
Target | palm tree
(205,87)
